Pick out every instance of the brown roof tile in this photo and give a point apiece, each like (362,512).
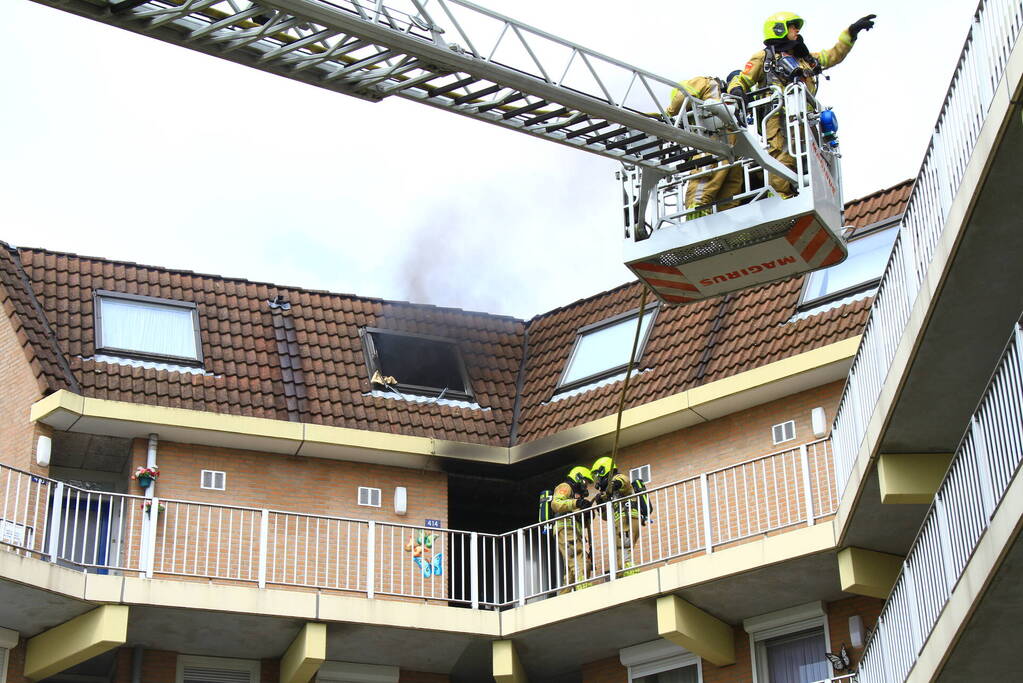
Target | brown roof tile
(311,367)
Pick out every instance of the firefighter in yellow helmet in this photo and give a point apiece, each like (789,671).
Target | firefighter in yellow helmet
(570,496)
(707,189)
(612,485)
(784,60)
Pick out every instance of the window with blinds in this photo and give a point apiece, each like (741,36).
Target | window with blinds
(216,670)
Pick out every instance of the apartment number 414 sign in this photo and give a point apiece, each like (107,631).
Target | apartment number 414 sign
(432,524)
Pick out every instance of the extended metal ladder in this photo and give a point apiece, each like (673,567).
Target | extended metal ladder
(449,54)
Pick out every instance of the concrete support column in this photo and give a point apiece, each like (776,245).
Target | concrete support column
(305,655)
(507,667)
(695,630)
(911,477)
(76,641)
(868,572)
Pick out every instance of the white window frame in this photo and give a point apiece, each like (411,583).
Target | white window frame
(251,666)
(581,333)
(223,479)
(890,223)
(658,656)
(380,497)
(784,622)
(8,641)
(782,425)
(97,307)
(636,472)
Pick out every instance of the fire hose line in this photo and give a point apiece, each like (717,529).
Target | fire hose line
(628,374)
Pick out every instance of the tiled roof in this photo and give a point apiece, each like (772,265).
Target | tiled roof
(306,363)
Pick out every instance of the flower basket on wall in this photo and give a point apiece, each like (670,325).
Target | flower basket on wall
(146,475)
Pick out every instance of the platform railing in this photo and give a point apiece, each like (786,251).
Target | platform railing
(983,467)
(163,537)
(996,26)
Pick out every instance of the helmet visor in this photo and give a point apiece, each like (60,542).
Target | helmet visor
(797,22)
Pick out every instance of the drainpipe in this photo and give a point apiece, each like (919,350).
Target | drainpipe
(136,659)
(151,462)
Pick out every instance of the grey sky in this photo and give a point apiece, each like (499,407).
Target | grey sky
(120,146)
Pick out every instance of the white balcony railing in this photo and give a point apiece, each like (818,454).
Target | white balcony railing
(982,469)
(105,532)
(995,29)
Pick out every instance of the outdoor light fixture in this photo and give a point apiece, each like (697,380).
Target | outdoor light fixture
(856,630)
(44,445)
(400,500)
(818,421)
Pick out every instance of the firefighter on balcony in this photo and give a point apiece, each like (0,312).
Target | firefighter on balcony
(707,189)
(571,496)
(612,485)
(785,59)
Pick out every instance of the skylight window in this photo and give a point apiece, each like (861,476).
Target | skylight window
(147,327)
(602,349)
(868,256)
(415,364)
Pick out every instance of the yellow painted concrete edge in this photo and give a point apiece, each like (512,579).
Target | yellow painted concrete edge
(76,641)
(290,437)
(338,608)
(305,655)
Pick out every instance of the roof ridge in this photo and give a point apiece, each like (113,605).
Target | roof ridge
(228,278)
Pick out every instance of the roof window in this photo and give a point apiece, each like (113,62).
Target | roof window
(602,349)
(868,255)
(147,327)
(415,364)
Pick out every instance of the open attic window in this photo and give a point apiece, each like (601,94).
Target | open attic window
(869,249)
(601,350)
(415,364)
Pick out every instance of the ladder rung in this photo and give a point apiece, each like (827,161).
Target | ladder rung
(607,136)
(640,148)
(524,110)
(627,141)
(549,115)
(477,95)
(444,89)
(514,97)
(696,163)
(589,129)
(578,118)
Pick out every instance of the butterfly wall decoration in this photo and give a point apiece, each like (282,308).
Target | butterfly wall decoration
(841,661)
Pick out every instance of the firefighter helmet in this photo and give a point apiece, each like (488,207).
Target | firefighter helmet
(580,476)
(602,470)
(777,25)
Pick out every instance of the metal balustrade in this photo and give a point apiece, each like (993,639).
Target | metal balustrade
(995,28)
(981,471)
(103,532)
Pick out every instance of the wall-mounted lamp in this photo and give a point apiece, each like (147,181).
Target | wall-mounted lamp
(400,500)
(856,630)
(819,422)
(44,445)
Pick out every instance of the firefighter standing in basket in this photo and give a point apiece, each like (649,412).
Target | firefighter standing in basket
(785,59)
(612,485)
(707,189)
(569,496)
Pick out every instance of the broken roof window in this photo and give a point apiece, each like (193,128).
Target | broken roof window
(415,364)
(147,327)
(602,349)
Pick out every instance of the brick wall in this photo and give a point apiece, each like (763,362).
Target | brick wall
(608,670)
(18,391)
(838,621)
(303,550)
(730,439)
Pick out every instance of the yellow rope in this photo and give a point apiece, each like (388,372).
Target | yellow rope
(628,373)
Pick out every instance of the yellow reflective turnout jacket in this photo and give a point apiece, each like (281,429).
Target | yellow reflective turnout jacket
(753,75)
(701,87)
(623,492)
(563,503)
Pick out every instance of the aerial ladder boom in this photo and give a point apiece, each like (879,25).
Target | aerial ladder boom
(449,54)
(463,58)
